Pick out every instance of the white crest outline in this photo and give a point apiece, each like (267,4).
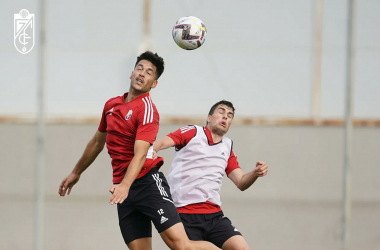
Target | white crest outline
(22,21)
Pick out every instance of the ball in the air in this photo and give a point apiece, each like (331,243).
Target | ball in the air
(189,33)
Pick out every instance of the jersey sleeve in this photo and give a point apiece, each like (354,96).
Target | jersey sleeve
(147,123)
(103,123)
(182,136)
(232,163)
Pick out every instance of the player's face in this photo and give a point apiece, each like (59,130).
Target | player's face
(143,77)
(220,121)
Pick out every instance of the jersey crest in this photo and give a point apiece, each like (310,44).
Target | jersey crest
(128,116)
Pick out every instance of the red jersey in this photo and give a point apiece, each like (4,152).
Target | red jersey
(181,138)
(125,123)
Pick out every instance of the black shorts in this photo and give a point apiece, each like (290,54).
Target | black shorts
(214,228)
(149,200)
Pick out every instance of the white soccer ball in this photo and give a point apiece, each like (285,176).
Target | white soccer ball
(189,33)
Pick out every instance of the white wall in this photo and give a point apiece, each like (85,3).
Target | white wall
(257,54)
(296,206)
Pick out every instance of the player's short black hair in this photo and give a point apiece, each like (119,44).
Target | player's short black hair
(155,59)
(222,102)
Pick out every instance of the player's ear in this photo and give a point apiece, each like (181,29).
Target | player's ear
(131,75)
(208,118)
(154,84)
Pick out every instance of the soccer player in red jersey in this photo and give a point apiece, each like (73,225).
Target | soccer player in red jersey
(129,127)
(202,156)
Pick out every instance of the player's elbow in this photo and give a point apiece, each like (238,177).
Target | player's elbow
(94,147)
(99,148)
(242,187)
(140,157)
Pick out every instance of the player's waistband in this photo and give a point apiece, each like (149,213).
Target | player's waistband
(153,170)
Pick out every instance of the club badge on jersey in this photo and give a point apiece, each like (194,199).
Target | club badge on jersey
(128,116)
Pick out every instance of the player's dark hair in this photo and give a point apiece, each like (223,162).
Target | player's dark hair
(155,59)
(222,102)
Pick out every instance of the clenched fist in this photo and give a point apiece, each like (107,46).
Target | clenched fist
(261,169)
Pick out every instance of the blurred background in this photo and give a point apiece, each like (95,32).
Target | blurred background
(283,64)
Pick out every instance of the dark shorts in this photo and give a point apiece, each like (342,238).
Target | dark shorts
(149,200)
(214,228)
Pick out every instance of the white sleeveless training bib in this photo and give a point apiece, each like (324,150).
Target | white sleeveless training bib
(197,170)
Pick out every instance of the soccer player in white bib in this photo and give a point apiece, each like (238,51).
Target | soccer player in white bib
(202,156)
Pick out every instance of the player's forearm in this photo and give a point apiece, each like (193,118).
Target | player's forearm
(133,170)
(247,180)
(92,150)
(163,143)
(159,144)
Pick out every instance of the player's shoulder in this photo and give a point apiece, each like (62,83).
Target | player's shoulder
(188,128)
(113,100)
(228,141)
(226,138)
(228,144)
(146,104)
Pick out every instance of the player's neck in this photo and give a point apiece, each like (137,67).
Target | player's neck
(132,94)
(216,138)
(216,135)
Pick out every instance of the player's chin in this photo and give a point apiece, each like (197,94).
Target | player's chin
(137,87)
(224,129)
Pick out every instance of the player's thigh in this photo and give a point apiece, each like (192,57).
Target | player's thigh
(141,244)
(175,237)
(134,225)
(155,202)
(236,242)
(222,230)
(195,226)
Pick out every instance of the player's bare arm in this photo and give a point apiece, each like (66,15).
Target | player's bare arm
(244,181)
(93,148)
(163,143)
(120,191)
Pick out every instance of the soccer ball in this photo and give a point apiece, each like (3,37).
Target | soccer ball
(189,33)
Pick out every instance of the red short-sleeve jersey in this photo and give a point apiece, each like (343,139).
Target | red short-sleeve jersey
(125,123)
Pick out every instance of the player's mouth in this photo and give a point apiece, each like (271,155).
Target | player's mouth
(223,124)
(139,81)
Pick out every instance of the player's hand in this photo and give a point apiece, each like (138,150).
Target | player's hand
(154,155)
(119,193)
(68,183)
(261,169)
